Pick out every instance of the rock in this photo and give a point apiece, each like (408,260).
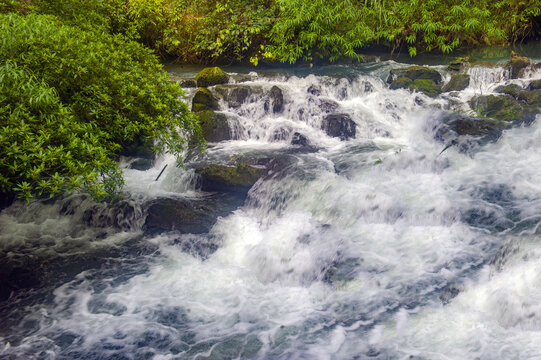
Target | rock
(238,179)
(414,73)
(339,125)
(534,85)
(236,95)
(501,107)
(328,106)
(142,164)
(187,83)
(401,83)
(277,98)
(203,100)
(480,126)
(511,89)
(211,76)
(240,78)
(6,199)
(140,147)
(516,65)
(122,215)
(458,82)
(196,215)
(426,86)
(458,65)
(299,139)
(214,126)
(314,90)
(530,97)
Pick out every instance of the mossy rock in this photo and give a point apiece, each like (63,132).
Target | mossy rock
(203,100)
(480,126)
(501,107)
(535,85)
(188,83)
(516,65)
(511,89)
(239,178)
(211,76)
(530,97)
(426,86)
(214,126)
(401,83)
(458,64)
(458,82)
(416,72)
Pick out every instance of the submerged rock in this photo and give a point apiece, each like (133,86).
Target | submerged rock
(458,82)
(204,100)
(339,125)
(414,73)
(193,215)
(214,126)
(211,76)
(238,179)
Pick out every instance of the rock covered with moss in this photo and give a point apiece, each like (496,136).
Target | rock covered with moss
(214,126)
(211,76)
(516,65)
(415,72)
(204,100)
(239,178)
(458,82)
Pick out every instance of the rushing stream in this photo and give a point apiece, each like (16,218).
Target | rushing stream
(394,244)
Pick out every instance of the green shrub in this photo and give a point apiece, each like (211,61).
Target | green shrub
(113,85)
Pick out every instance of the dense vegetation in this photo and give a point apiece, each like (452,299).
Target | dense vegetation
(71,98)
(206,31)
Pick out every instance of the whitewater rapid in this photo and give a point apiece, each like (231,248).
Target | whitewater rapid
(390,245)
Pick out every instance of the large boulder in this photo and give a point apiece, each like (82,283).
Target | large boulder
(339,125)
(458,65)
(194,215)
(204,100)
(214,126)
(534,85)
(516,65)
(480,126)
(414,73)
(211,76)
(458,82)
(401,83)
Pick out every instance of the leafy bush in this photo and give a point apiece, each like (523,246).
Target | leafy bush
(114,86)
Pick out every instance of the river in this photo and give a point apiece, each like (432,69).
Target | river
(394,244)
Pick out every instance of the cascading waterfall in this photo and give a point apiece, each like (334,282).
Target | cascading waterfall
(390,244)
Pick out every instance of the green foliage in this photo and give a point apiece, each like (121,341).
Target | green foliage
(113,87)
(43,148)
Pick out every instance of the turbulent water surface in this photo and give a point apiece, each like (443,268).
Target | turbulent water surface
(389,245)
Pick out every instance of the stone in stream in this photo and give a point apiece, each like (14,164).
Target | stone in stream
(516,65)
(236,95)
(414,73)
(142,164)
(277,98)
(204,100)
(534,85)
(236,179)
(140,147)
(214,126)
(194,215)
(502,107)
(211,76)
(426,86)
(339,125)
(458,65)
(458,82)
(300,140)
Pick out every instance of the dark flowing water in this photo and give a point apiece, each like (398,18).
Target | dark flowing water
(383,246)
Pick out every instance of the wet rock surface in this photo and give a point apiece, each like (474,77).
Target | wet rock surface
(204,100)
(214,126)
(238,179)
(189,215)
(458,82)
(339,125)
(414,73)
(211,76)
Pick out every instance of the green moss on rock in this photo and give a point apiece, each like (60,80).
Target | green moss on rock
(426,86)
(401,83)
(211,76)
(203,100)
(416,72)
(458,82)
(501,107)
(238,178)
(214,126)
(517,64)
